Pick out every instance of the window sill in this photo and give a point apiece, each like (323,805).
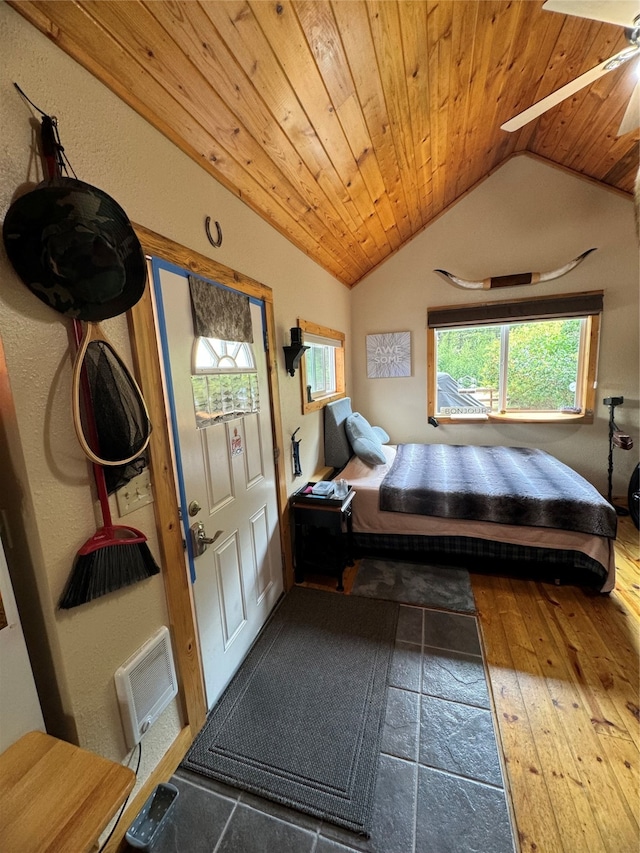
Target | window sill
(523,418)
(542,418)
(321,402)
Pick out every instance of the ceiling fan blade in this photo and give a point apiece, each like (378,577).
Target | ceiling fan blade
(556,97)
(631,118)
(621,12)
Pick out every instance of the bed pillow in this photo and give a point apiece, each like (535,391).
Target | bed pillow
(381,435)
(366,444)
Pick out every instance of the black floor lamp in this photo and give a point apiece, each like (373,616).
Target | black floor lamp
(616,439)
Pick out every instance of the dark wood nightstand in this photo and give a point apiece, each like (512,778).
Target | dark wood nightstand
(323,533)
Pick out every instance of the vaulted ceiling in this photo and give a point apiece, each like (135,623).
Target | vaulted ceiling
(350,124)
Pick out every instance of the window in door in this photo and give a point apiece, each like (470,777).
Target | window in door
(529,360)
(224,380)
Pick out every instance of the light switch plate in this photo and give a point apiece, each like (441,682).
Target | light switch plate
(135,494)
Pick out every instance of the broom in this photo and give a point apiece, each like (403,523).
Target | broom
(115,556)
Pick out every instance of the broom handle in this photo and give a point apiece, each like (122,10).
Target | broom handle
(52,170)
(98,473)
(51,166)
(49,148)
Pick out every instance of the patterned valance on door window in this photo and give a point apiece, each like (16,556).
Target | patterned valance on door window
(219,313)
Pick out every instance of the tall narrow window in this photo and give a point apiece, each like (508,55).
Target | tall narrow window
(322,366)
(527,360)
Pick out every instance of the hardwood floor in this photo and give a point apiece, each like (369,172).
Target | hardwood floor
(563,667)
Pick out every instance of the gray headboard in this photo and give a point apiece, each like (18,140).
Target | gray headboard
(337,450)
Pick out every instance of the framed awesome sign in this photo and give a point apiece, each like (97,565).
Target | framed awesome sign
(389,355)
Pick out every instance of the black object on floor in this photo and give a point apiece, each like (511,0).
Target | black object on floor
(301,721)
(152,817)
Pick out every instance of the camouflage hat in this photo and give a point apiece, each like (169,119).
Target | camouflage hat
(74,247)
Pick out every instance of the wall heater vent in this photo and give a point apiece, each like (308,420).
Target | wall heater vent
(145,685)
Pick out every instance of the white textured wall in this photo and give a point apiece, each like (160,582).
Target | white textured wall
(527,216)
(111,147)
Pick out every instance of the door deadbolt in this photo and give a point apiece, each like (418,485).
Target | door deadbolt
(194,508)
(199,538)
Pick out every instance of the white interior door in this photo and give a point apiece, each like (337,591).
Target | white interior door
(19,704)
(228,470)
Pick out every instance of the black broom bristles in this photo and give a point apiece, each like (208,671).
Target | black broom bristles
(107,569)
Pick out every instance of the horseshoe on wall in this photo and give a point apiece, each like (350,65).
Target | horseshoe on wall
(216,243)
(517,278)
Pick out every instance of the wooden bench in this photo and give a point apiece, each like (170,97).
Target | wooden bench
(57,797)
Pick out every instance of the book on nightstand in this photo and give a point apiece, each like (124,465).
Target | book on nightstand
(306,494)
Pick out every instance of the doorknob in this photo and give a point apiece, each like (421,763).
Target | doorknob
(199,538)
(205,540)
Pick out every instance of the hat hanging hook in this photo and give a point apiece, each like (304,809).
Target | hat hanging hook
(50,153)
(55,160)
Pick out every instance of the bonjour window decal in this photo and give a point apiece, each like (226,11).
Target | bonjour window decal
(389,355)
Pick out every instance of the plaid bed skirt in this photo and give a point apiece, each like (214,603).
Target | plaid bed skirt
(559,566)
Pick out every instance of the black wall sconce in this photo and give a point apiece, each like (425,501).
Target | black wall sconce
(294,352)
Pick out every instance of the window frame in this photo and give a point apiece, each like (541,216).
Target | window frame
(587,367)
(321,401)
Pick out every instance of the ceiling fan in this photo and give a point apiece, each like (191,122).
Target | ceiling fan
(625,13)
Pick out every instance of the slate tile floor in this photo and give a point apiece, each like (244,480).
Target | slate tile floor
(439,787)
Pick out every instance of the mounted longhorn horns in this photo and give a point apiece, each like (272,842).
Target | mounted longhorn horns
(518,278)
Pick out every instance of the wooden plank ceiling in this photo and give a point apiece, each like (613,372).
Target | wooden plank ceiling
(350,124)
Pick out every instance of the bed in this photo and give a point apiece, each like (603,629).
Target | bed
(420,519)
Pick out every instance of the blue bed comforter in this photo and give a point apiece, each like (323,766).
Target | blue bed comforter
(507,485)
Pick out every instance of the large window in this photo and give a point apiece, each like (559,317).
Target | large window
(527,360)
(322,367)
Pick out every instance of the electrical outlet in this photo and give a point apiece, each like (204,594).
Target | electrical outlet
(136,493)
